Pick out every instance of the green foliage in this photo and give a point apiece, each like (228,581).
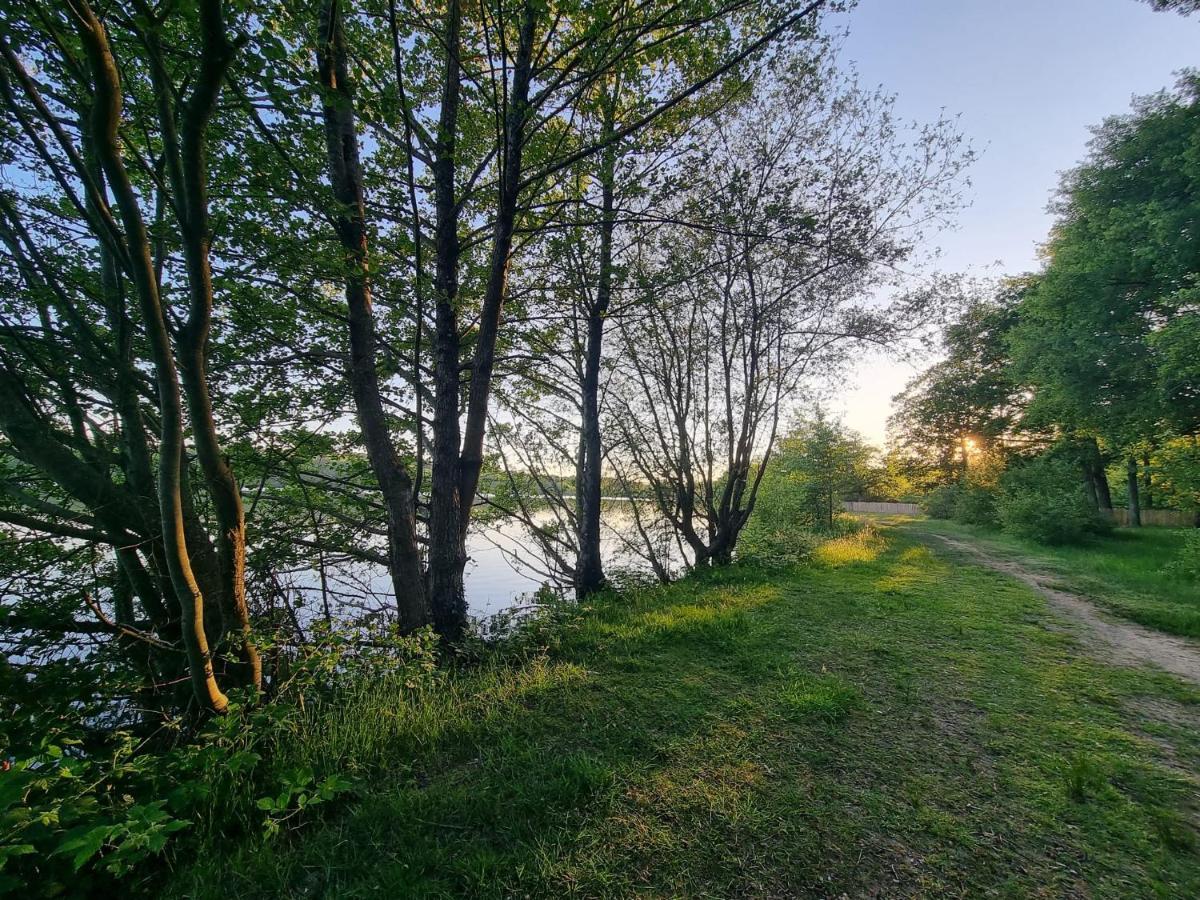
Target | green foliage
(775,547)
(1187,562)
(1044,500)
(975,504)
(1176,472)
(814,468)
(77,814)
(61,813)
(941,502)
(530,630)
(1102,329)
(969,503)
(968,401)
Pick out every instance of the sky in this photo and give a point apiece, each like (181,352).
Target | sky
(1027,78)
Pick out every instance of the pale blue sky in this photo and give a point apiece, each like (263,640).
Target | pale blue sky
(1028,77)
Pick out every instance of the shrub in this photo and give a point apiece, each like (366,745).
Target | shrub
(775,548)
(940,502)
(1187,561)
(1044,500)
(82,809)
(975,505)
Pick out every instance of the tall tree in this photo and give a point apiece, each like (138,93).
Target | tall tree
(350,222)
(739,315)
(968,401)
(1096,327)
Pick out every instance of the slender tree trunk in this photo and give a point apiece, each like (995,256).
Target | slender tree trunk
(193,340)
(589,568)
(1147,483)
(105,122)
(447,554)
(395,484)
(1093,462)
(450,510)
(1089,486)
(1135,505)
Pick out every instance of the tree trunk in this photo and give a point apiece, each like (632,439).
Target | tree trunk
(193,339)
(105,122)
(447,554)
(1093,463)
(589,567)
(450,509)
(395,484)
(1135,506)
(1089,486)
(1147,483)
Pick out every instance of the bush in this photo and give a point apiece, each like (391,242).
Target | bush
(775,548)
(1187,562)
(83,810)
(941,501)
(975,505)
(1044,500)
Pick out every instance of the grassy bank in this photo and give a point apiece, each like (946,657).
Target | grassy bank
(878,723)
(1130,572)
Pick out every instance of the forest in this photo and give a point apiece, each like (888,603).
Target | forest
(302,299)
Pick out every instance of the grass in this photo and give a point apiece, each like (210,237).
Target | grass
(1130,571)
(880,723)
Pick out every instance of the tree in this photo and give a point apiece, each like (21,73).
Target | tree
(345,168)
(966,404)
(1099,324)
(737,315)
(1183,7)
(818,464)
(477,115)
(66,119)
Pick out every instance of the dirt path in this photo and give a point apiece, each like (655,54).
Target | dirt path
(1111,640)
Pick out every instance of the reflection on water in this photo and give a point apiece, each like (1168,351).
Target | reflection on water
(505,564)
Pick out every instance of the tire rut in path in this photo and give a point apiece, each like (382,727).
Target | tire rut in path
(1109,640)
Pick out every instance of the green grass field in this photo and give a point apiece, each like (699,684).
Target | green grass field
(1130,572)
(880,723)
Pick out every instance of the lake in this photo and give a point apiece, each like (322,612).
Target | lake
(504,567)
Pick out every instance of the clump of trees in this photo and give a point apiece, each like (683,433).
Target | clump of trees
(1090,361)
(741,274)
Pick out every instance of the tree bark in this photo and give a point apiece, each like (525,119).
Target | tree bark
(447,554)
(456,475)
(1093,464)
(193,337)
(1147,495)
(1135,506)
(589,567)
(395,483)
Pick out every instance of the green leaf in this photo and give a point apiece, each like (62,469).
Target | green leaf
(10,851)
(84,845)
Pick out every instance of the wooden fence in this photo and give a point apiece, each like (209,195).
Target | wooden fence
(1155,518)
(890,509)
(1160,518)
